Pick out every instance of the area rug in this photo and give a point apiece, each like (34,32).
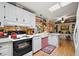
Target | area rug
(48,49)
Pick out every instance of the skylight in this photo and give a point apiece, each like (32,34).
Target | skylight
(58,5)
(55,7)
(63,4)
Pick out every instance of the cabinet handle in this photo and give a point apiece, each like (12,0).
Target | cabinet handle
(4,6)
(16,19)
(23,20)
(0,53)
(4,16)
(0,46)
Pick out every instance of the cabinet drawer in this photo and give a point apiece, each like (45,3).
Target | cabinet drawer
(5,45)
(36,44)
(5,52)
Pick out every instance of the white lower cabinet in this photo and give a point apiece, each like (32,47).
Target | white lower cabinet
(53,40)
(36,43)
(5,52)
(6,49)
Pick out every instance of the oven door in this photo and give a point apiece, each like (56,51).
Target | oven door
(22,47)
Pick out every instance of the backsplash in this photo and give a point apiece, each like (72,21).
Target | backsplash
(27,30)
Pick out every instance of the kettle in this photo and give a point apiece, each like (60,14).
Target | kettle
(13,35)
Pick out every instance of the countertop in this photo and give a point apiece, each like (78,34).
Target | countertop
(58,34)
(44,34)
(2,40)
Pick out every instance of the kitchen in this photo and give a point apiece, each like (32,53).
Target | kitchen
(26,33)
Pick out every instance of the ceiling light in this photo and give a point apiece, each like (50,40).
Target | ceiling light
(55,7)
(63,4)
(62,21)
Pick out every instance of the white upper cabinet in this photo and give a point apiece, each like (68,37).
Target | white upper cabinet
(25,17)
(1,10)
(28,18)
(19,14)
(10,12)
(31,20)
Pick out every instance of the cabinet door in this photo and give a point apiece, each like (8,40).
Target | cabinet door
(5,52)
(19,15)
(1,10)
(53,40)
(10,12)
(6,49)
(28,19)
(32,20)
(24,17)
(36,44)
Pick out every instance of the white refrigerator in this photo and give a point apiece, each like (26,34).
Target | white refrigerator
(76,33)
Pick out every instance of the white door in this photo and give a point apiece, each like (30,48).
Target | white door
(10,12)
(36,43)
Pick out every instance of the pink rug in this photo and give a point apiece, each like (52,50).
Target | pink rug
(48,49)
